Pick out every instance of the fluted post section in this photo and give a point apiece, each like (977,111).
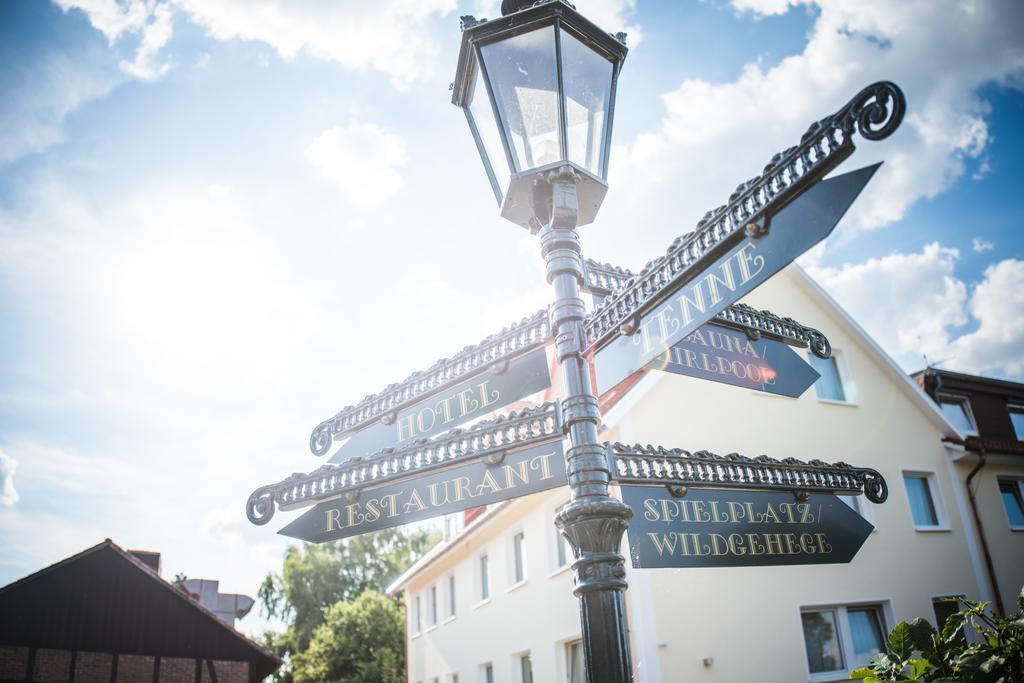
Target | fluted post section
(592,521)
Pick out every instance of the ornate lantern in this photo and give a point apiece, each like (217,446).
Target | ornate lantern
(538,89)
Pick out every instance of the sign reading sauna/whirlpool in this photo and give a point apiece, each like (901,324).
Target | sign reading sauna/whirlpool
(726,528)
(479,395)
(728,356)
(440,492)
(685,306)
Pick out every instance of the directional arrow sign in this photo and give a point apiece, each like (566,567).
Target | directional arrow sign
(440,492)
(800,225)
(721,528)
(452,406)
(724,355)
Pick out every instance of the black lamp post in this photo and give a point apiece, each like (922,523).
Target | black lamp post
(538,89)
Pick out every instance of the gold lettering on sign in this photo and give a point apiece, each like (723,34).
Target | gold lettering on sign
(466,403)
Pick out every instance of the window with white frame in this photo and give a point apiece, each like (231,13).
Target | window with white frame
(484,577)
(831,384)
(525,668)
(453,678)
(562,549)
(452,525)
(487,673)
(841,638)
(925,506)
(574,662)
(450,602)
(944,607)
(419,614)
(957,409)
(519,558)
(1012,493)
(1016,411)
(432,606)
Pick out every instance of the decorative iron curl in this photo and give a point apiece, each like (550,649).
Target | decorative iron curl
(260,507)
(877,110)
(818,343)
(875,488)
(321,438)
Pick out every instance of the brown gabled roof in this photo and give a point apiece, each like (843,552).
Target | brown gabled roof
(103,599)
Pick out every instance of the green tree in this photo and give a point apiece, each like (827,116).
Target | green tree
(315,577)
(995,655)
(359,642)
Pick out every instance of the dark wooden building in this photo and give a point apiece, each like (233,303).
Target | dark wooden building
(105,614)
(989,463)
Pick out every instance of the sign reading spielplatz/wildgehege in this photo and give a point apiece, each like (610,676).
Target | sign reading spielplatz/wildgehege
(725,528)
(469,485)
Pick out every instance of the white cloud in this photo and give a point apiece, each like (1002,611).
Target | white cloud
(32,114)
(716,134)
(997,303)
(907,302)
(389,36)
(915,306)
(979,245)
(155,35)
(361,160)
(8,495)
(153,21)
(110,17)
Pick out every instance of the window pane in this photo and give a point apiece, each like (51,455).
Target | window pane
(488,674)
(485,586)
(1012,501)
(576,674)
(921,506)
(1017,418)
(866,632)
(526,668)
(520,574)
(419,615)
(482,114)
(587,79)
(956,412)
(433,604)
(828,386)
(451,596)
(822,642)
(944,608)
(523,76)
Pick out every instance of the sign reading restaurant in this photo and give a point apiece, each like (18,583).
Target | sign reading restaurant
(726,528)
(441,492)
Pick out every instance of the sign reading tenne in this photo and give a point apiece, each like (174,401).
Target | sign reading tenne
(800,225)
(725,528)
(447,409)
(477,483)
(728,356)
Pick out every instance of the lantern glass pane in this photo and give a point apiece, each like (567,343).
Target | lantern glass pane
(587,80)
(482,115)
(524,79)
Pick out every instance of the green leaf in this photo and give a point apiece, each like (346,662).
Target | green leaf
(900,644)
(918,668)
(863,672)
(921,633)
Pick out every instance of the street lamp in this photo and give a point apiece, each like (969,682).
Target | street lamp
(538,89)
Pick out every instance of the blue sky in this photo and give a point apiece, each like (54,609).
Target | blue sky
(221,222)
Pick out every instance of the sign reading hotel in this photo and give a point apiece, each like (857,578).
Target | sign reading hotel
(724,355)
(447,409)
(725,528)
(441,492)
(800,225)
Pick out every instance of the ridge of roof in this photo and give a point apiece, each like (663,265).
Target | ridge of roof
(901,379)
(108,544)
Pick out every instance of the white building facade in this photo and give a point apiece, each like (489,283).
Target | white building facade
(493,603)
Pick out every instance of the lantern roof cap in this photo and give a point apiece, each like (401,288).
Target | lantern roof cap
(527,16)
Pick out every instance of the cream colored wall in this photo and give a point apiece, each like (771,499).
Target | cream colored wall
(1006,546)
(746,619)
(538,616)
